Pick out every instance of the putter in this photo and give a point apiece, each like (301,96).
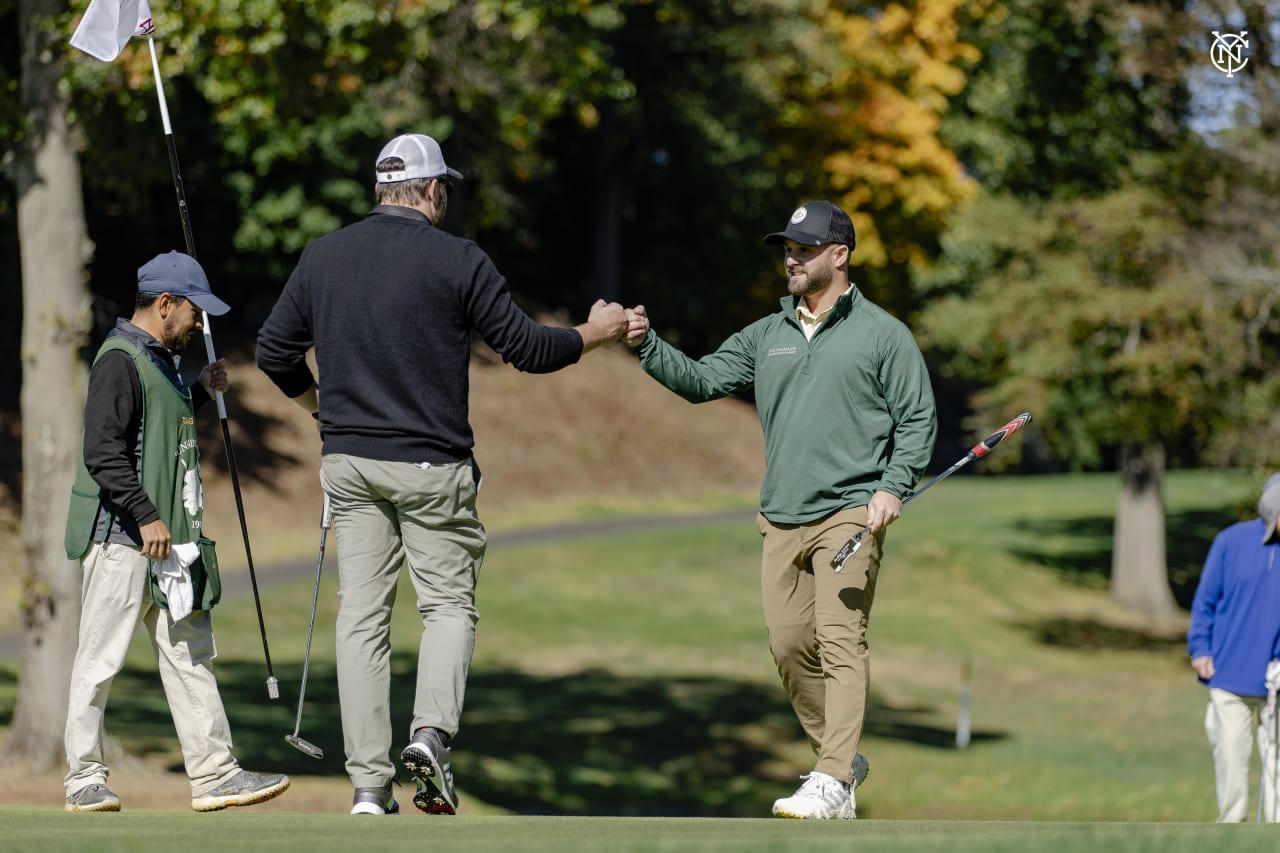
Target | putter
(982,448)
(306,746)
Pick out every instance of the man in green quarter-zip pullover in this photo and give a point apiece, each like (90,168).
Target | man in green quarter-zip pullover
(849,423)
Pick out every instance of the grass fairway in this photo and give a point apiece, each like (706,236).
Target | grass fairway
(47,830)
(622,696)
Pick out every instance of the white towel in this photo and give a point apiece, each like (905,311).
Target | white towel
(175,579)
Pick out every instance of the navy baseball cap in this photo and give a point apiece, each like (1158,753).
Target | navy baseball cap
(180,275)
(816,223)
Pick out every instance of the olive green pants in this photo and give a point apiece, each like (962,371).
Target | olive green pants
(817,621)
(387,515)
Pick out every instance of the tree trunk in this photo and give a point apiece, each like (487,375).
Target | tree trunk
(54,247)
(1139,570)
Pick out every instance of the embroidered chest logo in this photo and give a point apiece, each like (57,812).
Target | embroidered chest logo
(782,351)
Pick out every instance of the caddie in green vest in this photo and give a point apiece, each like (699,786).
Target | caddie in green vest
(135,522)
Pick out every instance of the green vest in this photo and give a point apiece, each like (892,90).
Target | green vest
(169,472)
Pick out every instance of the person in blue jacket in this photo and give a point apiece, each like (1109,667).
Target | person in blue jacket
(1233,640)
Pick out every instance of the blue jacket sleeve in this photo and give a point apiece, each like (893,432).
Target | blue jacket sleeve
(1205,604)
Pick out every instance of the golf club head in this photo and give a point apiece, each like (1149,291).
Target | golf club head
(304,746)
(850,548)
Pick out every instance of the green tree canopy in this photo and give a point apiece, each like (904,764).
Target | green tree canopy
(708,121)
(1116,272)
(1107,279)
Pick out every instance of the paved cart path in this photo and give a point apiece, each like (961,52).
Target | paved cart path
(237,584)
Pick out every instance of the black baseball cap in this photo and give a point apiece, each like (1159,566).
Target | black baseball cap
(816,223)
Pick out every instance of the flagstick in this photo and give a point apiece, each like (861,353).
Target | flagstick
(273,686)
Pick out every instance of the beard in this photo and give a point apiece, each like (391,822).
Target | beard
(177,344)
(810,280)
(176,338)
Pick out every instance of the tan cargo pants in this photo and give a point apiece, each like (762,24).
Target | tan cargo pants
(817,621)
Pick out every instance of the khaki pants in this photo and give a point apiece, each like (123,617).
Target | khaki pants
(387,515)
(1229,723)
(114,599)
(817,621)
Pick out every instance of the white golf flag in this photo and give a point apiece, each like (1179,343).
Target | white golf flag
(108,25)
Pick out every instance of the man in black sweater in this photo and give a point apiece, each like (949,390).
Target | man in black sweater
(389,304)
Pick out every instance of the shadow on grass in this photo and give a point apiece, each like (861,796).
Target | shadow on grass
(589,743)
(1092,635)
(1188,536)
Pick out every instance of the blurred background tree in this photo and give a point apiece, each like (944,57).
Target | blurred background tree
(630,149)
(1109,276)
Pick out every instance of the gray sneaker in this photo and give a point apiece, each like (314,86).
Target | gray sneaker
(93,798)
(860,769)
(246,788)
(376,801)
(427,758)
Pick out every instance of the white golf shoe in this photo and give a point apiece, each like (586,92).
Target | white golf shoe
(821,797)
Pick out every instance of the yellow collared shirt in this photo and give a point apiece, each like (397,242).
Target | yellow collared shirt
(809,322)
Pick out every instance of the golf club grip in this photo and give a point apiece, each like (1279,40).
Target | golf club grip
(326,514)
(985,446)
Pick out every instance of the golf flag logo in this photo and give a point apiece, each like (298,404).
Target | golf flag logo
(108,25)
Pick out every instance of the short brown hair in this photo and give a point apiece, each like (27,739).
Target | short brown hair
(407,193)
(143,301)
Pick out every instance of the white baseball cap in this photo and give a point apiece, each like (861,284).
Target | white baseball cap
(422,159)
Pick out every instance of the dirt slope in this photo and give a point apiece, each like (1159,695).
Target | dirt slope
(599,428)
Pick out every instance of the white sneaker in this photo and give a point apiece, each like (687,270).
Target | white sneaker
(821,797)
